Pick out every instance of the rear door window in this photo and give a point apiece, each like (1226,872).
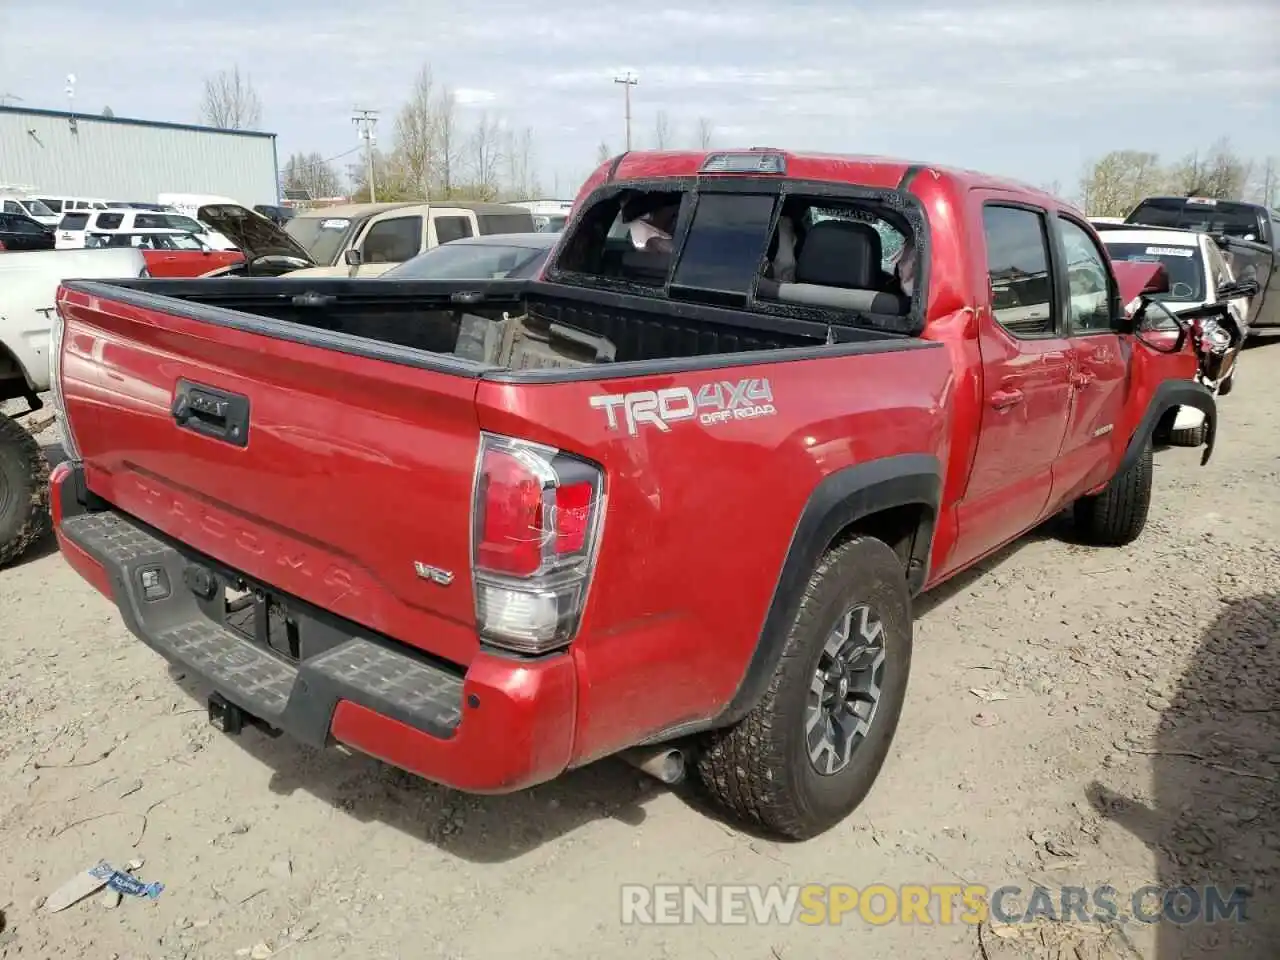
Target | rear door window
(1018,270)
(73,221)
(110,221)
(449,229)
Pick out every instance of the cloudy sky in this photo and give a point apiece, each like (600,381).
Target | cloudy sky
(1031,90)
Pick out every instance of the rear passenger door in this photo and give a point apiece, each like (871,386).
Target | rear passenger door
(1099,361)
(1025,380)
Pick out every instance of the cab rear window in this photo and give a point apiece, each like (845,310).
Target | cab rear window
(826,258)
(1207,215)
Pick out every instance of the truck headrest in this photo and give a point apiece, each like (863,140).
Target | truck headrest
(840,253)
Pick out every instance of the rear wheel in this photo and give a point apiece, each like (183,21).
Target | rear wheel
(1118,514)
(24,491)
(809,752)
(1190,436)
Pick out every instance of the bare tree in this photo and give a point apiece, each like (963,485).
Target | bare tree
(449,142)
(393,184)
(1263,188)
(485,156)
(706,130)
(1113,185)
(230,101)
(312,173)
(1220,173)
(1229,173)
(603,153)
(661,131)
(107,111)
(519,156)
(416,134)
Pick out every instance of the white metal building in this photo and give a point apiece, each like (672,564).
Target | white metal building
(112,158)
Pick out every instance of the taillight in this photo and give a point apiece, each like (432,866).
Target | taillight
(57,333)
(538,513)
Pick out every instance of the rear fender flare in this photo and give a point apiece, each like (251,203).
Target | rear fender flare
(1167,396)
(15,381)
(842,498)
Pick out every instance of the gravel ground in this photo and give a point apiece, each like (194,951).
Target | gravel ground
(1075,717)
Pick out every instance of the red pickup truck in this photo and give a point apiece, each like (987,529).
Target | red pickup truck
(671,499)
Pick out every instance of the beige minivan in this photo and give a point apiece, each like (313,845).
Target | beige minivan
(368,239)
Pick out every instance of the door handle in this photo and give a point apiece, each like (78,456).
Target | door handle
(1004,399)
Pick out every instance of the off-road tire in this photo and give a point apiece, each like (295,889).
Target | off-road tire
(1116,516)
(24,491)
(1190,436)
(760,768)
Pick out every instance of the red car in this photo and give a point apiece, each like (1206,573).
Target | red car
(671,498)
(169,253)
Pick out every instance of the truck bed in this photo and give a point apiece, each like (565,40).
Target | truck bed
(418,322)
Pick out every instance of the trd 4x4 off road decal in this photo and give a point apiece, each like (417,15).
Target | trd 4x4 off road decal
(716,402)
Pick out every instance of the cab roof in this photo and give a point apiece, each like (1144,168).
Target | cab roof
(863,169)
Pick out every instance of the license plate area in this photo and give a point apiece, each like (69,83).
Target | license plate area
(262,617)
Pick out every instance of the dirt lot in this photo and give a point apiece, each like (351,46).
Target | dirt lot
(1076,717)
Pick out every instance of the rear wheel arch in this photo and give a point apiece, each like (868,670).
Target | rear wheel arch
(14,381)
(894,499)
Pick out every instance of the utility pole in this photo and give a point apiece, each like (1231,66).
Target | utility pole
(1268,184)
(6,97)
(365,120)
(627,81)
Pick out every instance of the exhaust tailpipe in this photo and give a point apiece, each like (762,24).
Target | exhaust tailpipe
(663,763)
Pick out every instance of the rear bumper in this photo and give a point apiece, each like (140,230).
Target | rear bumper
(501,726)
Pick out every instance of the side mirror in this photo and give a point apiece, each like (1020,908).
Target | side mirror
(1248,287)
(1155,325)
(353,258)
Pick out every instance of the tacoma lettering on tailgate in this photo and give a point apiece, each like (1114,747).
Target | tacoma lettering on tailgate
(259,543)
(716,402)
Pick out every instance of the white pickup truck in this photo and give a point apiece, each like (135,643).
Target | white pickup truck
(1197,271)
(28,284)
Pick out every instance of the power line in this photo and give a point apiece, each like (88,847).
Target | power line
(627,81)
(311,164)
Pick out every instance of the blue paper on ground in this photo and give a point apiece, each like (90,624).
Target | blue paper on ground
(124,883)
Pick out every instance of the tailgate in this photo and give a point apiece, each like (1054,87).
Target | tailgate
(320,471)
